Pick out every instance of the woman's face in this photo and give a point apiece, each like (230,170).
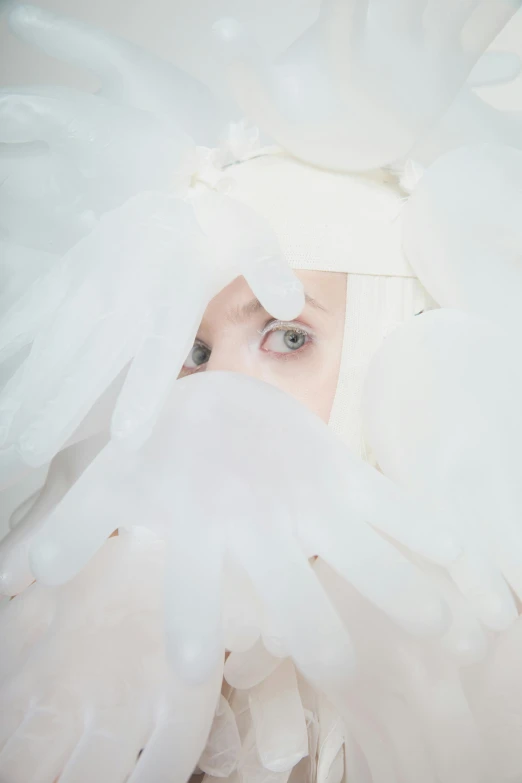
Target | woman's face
(301,357)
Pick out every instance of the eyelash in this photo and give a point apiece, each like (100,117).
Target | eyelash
(280,326)
(270,328)
(285,326)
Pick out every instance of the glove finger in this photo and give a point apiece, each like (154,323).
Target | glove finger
(154,368)
(179,737)
(381,574)
(244,670)
(413,758)
(39,748)
(21,321)
(43,113)
(15,570)
(59,341)
(472,24)
(108,749)
(481,583)
(39,217)
(276,286)
(375,746)
(504,539)
(495,68)
(485,23)
(103,498)
(445,19)
(160,358)
(15,707)
(50,423)
(64,471)
(93,139)
(23,621)
(194,597)
(402,17)
(223,749)
(285,582)
(464,638)
(417,528)
(247,245)
(128,73)
(76,42)
(488,502)
(400,515)
(22,510)
(279,720)
(344,19)
(242,611)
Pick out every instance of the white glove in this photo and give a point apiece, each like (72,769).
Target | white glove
(133,290)
(471,120)
(442,413)
(85,681)
(129,75)
(367,81)
(64,470)
(463,234)
(281,491)
(139,262)
(396,718)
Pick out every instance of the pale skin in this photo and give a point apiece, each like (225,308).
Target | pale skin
(300,357)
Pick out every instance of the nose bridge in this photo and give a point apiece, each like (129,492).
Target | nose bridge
(227,355)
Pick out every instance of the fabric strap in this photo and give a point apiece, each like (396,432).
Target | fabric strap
(375,305)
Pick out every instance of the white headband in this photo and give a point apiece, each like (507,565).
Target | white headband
(326,220)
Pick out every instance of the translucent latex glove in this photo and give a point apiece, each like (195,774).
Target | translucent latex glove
(393,722)
(272,724)
(495,68)
(132,291)
(84,154)
(68,157)
(462,232)
(496,695)
(128,74)
(471,120)
(442,412)
(115,294)
(396,717)
(211,481)
(64,471)
(19,268)
(367,81)
(85,681)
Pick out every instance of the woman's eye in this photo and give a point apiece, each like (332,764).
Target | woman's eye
(199,355)
(285,340)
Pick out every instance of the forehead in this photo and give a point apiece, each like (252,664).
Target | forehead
(328,288)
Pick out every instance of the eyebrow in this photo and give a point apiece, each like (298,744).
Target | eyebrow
(246,311)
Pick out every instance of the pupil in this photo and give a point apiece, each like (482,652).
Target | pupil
(200,355)
(294,340)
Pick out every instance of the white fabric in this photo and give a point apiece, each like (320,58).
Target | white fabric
(331,222)
(374,306)
(325,220)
